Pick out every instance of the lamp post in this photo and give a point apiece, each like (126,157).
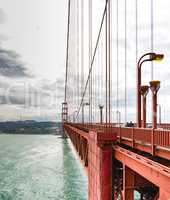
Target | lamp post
(152,57)
(101,113)
(160,113)
(144,91)
(154,86)
(84,104)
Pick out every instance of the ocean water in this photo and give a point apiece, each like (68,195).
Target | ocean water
(40,167)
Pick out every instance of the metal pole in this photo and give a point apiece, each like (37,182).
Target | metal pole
(154,86)
(144,111)
(160,113)
(139,65)
(101,114)
(154,97)
(138,95)
(144,91)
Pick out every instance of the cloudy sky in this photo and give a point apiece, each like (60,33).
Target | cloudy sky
(32,57)
(32,54)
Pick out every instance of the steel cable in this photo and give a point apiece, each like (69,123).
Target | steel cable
(93,58)
(67,50)
(152,35)
(125,61)
(117,49)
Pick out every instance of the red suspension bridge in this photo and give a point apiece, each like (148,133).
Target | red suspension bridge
(122,155)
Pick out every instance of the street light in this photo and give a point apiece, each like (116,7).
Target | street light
(152,57)
(144,91)
(154,86)
(101,113)
(84,104)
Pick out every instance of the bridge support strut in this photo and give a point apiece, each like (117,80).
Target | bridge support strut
(128,183)
(100,165)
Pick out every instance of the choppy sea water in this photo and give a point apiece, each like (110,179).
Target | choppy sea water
(40,167)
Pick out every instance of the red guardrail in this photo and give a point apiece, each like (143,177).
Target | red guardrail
(153,138)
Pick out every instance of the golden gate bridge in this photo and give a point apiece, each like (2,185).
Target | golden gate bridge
(122,149)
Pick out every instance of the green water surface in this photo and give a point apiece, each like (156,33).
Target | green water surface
(37,167)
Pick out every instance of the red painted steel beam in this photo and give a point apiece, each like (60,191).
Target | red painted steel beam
(79,140)
(128,183)
(163,195)
(100,165)
(154,172)
(162,153)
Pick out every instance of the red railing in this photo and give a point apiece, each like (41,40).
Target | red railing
(162,138)
(146,139)
(142,135)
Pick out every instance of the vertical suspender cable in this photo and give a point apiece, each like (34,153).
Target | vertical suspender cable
(93,58)
(111,83)
(82,51)
(90,58)
(102,70)
(125,61)
(109,56)
(78,89)
(106,40)
(73,21)
(98,79)
(117,47)
(152,35)
(136,9)
(68,33)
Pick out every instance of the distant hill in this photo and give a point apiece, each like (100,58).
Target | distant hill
(29,127)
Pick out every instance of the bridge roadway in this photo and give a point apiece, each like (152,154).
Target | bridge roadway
(120,160)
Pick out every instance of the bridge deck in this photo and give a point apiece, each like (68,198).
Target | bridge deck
(144,151)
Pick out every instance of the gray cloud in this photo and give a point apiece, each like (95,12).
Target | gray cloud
(27,95)
(11,66)
(14,100)
(57,85)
